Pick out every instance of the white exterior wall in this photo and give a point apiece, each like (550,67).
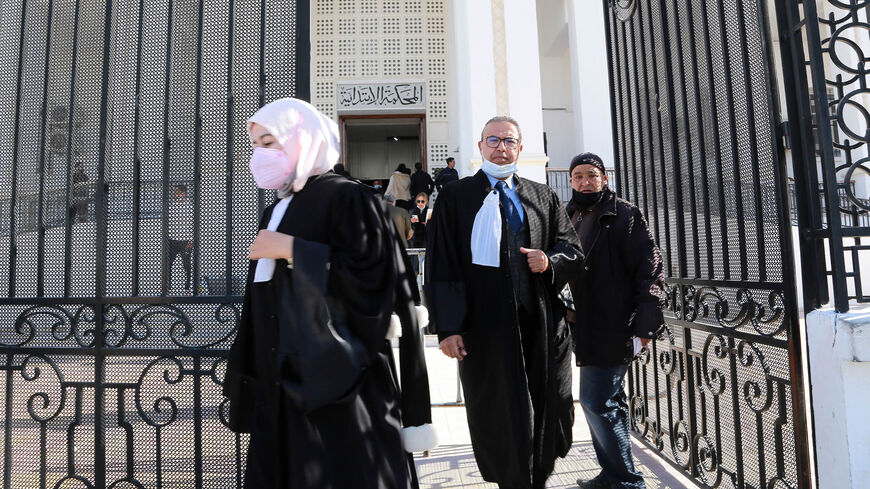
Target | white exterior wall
(557,89)
(574,79)
(590,80)
(839,352)
(495,73)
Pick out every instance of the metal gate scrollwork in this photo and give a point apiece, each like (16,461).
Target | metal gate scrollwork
(698,149)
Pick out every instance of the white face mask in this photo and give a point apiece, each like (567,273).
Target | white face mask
(498,171)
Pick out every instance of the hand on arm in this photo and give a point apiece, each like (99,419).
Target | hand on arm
(271,244)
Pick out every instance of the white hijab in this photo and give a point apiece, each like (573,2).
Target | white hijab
(309,138)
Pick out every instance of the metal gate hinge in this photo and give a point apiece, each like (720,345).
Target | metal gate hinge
(784,130)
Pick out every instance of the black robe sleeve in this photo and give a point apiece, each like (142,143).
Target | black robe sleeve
(364,264)
(643,260)
(369,270)
(445,282)
(566,256)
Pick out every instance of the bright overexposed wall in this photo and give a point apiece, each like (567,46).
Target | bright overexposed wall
(589,76)
(495,73)
(562,137)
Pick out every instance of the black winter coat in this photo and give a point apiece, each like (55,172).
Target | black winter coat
(620,293)
(421,182)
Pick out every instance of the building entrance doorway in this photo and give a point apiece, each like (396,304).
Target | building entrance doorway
(373,146)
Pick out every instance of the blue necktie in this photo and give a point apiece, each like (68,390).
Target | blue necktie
(510,210)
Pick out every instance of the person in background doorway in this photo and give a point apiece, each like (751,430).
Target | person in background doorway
(378,185)
(619,295)
(399,186)
(419,214)
(339,169)
(401,219)
(421,181)
(447,175)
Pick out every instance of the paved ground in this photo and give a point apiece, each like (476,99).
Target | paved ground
(452,465)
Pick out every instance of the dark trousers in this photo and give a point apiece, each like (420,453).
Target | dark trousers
(602,395)
(78,208)
(178,247)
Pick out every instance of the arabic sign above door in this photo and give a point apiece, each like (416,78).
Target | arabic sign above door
(381,96)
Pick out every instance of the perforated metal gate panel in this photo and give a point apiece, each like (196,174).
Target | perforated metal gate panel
(126,212)
(697,151)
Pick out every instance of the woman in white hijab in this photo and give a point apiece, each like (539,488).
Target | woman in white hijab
(310,374)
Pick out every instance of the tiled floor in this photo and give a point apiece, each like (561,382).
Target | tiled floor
(452,465)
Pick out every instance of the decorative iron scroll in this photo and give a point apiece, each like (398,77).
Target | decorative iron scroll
(831,93)
(160,371)
(624,9)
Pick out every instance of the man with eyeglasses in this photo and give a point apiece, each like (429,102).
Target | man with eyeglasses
(500,247)
(619,295)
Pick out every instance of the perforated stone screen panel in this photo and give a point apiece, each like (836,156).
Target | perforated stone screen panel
(383,41)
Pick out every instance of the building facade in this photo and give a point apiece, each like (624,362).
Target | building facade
(415,80)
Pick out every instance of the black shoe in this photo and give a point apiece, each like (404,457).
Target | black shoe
(600,481)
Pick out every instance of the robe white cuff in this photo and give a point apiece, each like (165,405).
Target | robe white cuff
(395,329)
(419,438)
(422,316)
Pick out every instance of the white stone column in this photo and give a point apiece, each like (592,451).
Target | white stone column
(524,83)
(591,85)
(839,353)
(495,71)
(472,88)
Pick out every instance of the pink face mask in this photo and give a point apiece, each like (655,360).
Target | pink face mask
(270,167)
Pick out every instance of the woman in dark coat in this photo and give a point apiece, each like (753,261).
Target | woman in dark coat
(310,375)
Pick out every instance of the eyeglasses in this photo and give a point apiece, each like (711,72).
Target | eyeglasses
(421,201)
(509,142)
(580,178)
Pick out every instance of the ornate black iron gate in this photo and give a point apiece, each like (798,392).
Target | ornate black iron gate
(696,135)
(123,165)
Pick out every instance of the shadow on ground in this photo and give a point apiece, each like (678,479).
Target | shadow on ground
(453,466)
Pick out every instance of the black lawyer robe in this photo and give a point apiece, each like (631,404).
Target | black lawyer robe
(478,302)
(321,413)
